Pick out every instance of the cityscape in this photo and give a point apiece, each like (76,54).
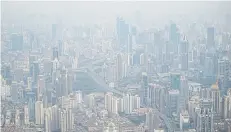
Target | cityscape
(115,66)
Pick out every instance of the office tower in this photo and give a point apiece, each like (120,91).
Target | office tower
(119,67)
(39,113)
(150,120)
(224,74)
(122,32)
(31,99)
(26,115)
(173,102)
(17,118)
(205,93)
(35,72)
(173,38)
(144,87)
(16,42)
(215,96)
(108,101)
(54,31)
(48,119)
(205,116)
(184,121)
(55,54)
(175,80)
(184,54)
(210,37)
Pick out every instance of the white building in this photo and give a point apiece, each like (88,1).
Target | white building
(39,113)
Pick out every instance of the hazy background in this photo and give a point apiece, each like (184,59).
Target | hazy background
(105,12)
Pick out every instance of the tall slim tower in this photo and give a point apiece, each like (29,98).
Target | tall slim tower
(215,96)
(119,67)
(144,87)
(210,37)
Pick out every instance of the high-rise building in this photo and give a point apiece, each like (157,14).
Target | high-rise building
(210,37)
(55,53)
(108,101)
(175,80)
(184,93)
(122,32)
(48,119)
(215,96)
(79,98)
(16,42)
(128,104)
(90,100)
(173,102)
(54,31)
(55,118)
(39,113)
(26,115)
(63,120)
(144,87)
(31,99)
(35,72)
(184,54)
(184,121)
(205,116)
(150,120)
(119,67)
(70,120)
(17,117)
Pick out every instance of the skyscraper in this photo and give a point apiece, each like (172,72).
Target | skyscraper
(173,102)
(210,37)
(54,31)
(205,116)
(215,96)
(175,80)
(35,72)
(16,42)
(119,67)
(144,87)
(39,113)
(184,55)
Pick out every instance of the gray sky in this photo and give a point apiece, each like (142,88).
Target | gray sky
(90,11)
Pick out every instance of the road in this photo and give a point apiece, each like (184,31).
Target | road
(89,70)
(166,120)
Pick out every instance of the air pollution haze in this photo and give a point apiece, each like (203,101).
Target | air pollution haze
(115,66)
